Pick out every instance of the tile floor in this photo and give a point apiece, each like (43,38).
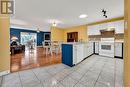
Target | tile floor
(95,71)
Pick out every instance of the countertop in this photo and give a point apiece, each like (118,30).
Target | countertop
(76,43)
(116,41)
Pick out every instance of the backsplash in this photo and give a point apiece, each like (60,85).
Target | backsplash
(118,37)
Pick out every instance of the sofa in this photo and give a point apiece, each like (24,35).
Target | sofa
(16,48)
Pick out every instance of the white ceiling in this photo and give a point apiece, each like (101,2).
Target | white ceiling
(39,13)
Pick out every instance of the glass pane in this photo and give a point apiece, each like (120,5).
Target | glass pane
(27,37)
(106,47)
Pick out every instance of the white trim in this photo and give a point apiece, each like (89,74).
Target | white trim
(4,72)
(40,46)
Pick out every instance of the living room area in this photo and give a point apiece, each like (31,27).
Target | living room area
(30,48)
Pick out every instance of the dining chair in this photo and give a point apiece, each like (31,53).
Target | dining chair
(56,47)
(47,47)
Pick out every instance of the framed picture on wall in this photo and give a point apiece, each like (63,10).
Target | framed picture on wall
(47,36)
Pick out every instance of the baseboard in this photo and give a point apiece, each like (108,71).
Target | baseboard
(4,72)
(118,57)
(82,60)
(88,56)
(39,46)
(96,53)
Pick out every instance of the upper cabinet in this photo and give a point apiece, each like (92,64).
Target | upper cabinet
(94,30)
(119,28)
(117,25)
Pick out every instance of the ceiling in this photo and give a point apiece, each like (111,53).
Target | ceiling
(32,14)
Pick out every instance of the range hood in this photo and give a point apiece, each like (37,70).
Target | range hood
(110,32)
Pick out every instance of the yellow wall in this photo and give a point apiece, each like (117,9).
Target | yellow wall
(82,32)
(4,43)
(60,34)
(106,21)
(127,46)
(57,34)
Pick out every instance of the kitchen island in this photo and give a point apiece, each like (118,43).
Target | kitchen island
(74,53)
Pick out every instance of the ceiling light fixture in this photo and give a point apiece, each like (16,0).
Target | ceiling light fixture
(83,16)
(54,24)
(38,30)
(104,13)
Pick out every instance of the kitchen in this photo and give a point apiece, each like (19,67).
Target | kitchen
(88,37)
(105,39)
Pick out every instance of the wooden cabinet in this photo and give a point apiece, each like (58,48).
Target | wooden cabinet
(72,37)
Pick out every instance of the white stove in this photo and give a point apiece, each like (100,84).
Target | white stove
(106,47)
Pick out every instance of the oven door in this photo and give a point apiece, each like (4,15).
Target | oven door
(106,49)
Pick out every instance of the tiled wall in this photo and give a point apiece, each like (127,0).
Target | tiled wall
(98,37)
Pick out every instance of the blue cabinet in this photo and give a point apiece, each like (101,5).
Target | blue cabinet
(67,54)
(74,53)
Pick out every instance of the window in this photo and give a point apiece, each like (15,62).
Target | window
(26,37)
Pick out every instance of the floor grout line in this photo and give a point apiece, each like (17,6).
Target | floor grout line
(116,67)
(20,79)
(66,76)
(1,81)
(49,74)
(37,78)
(99,75)
(84,74)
